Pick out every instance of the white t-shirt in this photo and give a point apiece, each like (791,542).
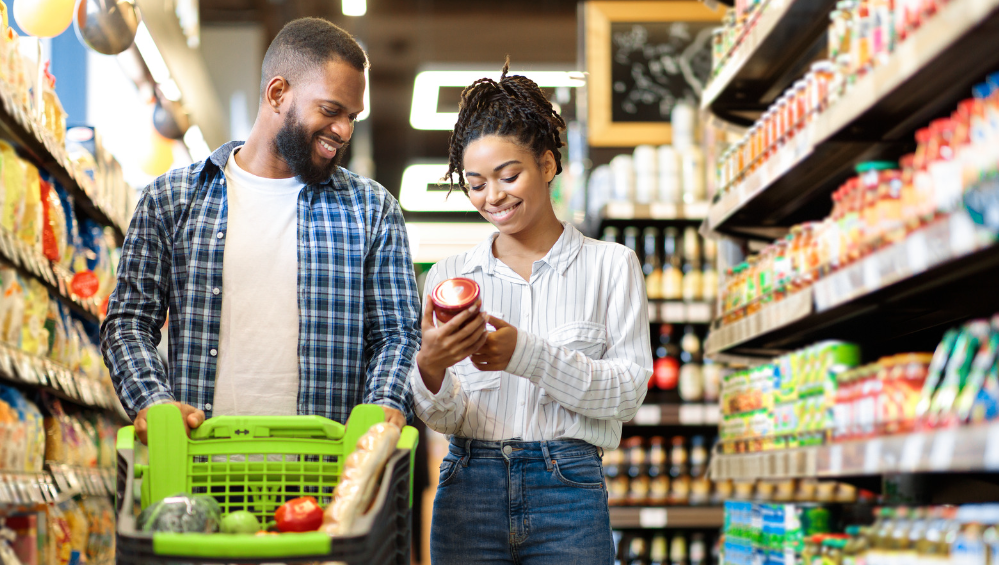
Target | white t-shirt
(257,370)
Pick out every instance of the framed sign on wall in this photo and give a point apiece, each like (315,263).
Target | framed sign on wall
(643,57)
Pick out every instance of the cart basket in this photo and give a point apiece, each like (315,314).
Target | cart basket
(257,464)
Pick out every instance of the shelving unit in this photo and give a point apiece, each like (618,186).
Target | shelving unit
(17,367)
(654,211)
(676,312)
(24,134)
(953,450)
(924,78)
(938,276)
(693,414)
(56,484)
(657,517)
(766,57)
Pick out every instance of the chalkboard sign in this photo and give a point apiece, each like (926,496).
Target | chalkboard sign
(654,65)
(642,58)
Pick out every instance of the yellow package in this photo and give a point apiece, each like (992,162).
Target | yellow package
(13,187)
(34,334)
(60,541)
(79,526)
(11,306)
(30,225)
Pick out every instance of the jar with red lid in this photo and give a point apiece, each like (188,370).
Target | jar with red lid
(822,75)
(790,110)
(910,203)
(801,114)
(453,296)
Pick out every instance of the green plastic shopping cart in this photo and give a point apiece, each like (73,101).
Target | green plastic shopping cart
(256,464)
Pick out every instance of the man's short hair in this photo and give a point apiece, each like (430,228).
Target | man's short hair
(304,45)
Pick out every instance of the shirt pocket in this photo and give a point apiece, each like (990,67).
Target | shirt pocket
(588,338)
(479,381)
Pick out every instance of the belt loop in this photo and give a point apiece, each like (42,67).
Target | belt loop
(600,452)
(468,452)
(548,458)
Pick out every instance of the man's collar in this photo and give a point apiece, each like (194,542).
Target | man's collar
(221,156)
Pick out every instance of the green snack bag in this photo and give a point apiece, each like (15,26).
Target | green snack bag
(980,391)
(958,368)
(935,372)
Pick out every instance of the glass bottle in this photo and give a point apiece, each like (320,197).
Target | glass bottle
(709,278)
(678,550)
(700,486)
(658,473)
(658,554)
(666,367)
(636,551)
(692,276)
(638,475)
(672,267)
(631,238)
(611,234)
(651,267)
(679,472)
(698,549)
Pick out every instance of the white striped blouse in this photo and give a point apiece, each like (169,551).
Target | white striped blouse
(582,361)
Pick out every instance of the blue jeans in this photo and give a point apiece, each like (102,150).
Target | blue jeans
(531,503)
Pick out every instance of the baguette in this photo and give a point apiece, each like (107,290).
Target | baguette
(361,473)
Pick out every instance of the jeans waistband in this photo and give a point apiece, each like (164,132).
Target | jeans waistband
(516,449)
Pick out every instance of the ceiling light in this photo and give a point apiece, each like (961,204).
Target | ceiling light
(355,7)
(151,55)
(416,195)
(426,89)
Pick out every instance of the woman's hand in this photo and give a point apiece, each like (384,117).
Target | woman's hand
(495,355)
(449,343)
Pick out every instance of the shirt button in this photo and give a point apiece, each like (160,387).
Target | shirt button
(215,291)
(214,352)
(219,235)
(507,449)
(208,406)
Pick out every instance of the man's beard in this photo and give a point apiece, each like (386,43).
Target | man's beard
(296,146)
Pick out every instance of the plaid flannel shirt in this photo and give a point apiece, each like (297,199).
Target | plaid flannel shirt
(359,310)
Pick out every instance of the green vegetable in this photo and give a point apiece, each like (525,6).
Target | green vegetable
(181,513)
(240,522)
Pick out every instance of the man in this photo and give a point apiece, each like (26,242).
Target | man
(287,278)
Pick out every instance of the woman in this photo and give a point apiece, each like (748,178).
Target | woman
(529,406)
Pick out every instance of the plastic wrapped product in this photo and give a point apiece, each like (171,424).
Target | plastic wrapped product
(182,513)
(361,473)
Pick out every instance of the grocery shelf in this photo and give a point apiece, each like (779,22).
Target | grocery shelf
(56,279)
(628,517)
(55,485)
(619,210)
(677,312)
(16,127)
(924,78)
(939,276)
(694,414)
(44,374)
(768,56)
(952,450)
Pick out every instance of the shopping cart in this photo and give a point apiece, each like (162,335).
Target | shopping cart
(256,464)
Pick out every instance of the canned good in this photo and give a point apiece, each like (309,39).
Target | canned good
(453,296)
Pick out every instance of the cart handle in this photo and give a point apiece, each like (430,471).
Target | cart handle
(271,426)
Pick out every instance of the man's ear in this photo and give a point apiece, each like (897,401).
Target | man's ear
(277,91)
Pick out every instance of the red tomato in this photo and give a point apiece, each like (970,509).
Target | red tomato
(299,515)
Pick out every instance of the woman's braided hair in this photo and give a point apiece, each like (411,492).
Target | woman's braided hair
(513,107)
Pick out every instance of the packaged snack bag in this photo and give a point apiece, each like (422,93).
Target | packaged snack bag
(13,188)
(29,228)
(34,335)
(54,233)
(11,306)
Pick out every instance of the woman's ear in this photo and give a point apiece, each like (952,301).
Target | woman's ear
(548,167)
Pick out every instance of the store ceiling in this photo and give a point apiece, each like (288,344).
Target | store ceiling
(403,35)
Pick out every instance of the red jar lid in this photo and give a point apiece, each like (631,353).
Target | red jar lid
(455,294)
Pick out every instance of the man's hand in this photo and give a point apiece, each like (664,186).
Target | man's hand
(449,343)
(192,419)
(495,355)
(394,416)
